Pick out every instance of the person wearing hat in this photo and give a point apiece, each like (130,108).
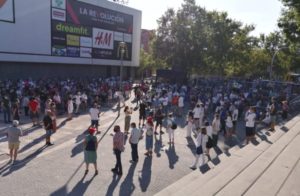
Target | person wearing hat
(149,136)
(48,125)
(13,135)
(90,150)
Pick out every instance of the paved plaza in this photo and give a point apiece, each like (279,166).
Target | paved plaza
(59,169)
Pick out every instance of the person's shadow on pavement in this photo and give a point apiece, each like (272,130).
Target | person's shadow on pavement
(113,185)
(81,187)
(127,187)
(172,156)
(79,147)
(145,177)
(158,145)
(21,163)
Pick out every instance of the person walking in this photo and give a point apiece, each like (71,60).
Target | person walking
(94,114)
(200,146)
(229,125)
(210,143)
(48,125)
(149,137)
(273,113)
(15,111)
(90,150)
(118,148)
(13,137)
(128,112)
(134,139)
(285,109)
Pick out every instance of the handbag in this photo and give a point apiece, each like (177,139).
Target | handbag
(199,150)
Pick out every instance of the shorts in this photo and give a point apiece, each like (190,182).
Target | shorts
(250,131)
(49,133)
(159,122)
(34,115)
(142,116)
(95,123)
(13,145)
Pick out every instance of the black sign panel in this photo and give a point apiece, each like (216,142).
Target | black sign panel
(88,31)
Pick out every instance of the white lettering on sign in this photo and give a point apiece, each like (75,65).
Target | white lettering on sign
(103,39)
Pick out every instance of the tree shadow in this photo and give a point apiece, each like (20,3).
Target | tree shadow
(21,163)
(113,185)
(146,172)
(127,187)
(81,187)
(172,156)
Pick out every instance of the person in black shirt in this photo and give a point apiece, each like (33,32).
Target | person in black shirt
(48,124)
(142,111)
(159,116)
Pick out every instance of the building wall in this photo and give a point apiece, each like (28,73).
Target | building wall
(13,70)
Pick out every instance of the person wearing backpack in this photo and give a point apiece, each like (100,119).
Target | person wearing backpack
(90,147)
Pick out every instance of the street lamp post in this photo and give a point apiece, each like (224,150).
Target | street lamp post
(122,51)
(272,62)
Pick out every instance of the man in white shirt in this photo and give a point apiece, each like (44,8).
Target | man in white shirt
(77,101)
(250,124)
(198,115)
(94,113)
(134,138)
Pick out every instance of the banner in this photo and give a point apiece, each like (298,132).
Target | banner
(61,4)
(90,15)
(103,39)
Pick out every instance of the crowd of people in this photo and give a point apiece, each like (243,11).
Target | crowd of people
(211,107)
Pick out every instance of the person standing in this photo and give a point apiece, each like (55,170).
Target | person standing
(25,102)
(134,139)
(15,111)
(90,150)
(77,102)
(94,114)
(180,105)
(5,105)
(229,124)
(170,128)
(149,137)
(159,116)
(13,135)
(189,124)
(210,143)
(273,113)
(70,108)
(53,115)
(250,124)
(48,125)
(118,148)
(128,112)
(197,116)
(33,111)
(235,115)
(142,113)
(200,146)
(285,109)
(216,125)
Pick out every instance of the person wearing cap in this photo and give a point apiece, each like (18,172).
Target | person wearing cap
(13,137)
(90,150)
(48,125)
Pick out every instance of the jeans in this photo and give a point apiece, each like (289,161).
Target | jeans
(118,166)
(134,152)
(6,114)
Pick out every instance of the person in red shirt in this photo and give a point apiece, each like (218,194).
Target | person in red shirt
(33,106)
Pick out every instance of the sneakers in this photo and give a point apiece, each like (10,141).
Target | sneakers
(49,144)
(193,167)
